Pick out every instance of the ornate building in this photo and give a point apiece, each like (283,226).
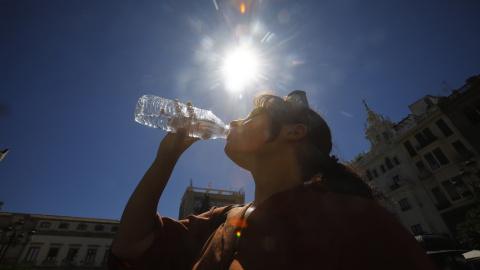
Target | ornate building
(427,163)
(55,242)
(387,168)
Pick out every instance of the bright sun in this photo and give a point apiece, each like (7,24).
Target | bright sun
(240,69)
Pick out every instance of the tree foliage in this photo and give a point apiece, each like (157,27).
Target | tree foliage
(469,230)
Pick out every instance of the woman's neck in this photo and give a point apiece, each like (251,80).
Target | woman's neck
(273,179)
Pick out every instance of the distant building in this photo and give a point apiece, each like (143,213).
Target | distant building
(463,108)
(198,200)
(387,168)
(427,164)
(58,243)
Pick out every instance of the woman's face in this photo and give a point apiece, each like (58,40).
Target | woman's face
(247,136)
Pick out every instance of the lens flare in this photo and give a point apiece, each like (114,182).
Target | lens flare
(240,69)
(238,222)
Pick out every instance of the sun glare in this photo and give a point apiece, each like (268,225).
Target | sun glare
(240,69)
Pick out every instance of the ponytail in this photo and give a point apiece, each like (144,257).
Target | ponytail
(345,179)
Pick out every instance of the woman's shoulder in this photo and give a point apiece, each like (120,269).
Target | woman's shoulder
(347,206)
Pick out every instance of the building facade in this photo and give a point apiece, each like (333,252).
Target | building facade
(426,164)
(58,242)
(198,200)
(387,169)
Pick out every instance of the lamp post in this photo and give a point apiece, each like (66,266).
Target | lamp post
(12,237)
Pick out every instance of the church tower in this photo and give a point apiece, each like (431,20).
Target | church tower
(378,130)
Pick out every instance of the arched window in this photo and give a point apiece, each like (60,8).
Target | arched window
(385,135)
(82,227)
(63,226)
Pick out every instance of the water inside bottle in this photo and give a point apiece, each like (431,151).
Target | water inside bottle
(207,129)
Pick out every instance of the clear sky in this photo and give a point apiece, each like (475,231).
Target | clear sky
(72,71)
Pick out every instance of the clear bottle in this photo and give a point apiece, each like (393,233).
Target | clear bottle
(171,115)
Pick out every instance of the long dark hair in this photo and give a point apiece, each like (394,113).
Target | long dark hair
(317,164)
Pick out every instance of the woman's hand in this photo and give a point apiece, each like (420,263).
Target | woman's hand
(174,144)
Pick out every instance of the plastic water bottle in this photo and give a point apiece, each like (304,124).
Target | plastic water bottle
(171,115)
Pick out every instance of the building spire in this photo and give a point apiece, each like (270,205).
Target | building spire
(364,101)
(3,154)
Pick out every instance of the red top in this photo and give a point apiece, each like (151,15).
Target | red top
(302,228)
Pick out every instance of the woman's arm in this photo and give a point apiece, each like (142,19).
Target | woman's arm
(136,231)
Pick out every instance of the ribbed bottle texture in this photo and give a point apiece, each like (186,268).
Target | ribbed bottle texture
(171,115)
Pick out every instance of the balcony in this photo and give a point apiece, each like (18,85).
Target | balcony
(425,175)
(28,262)
(50,263)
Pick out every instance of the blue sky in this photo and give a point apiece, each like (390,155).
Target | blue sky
(72,71)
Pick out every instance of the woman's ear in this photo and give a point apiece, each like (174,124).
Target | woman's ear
(295,132)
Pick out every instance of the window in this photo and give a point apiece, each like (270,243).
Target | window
(52,255)
(382,168)
(444,128)
(82,227)
(396,179)
(422,140)
(105,256)
(72,255)
(440,156)
(461,187)
(395,185)
(425,137)
(90,257)
(462,150)
(114,229)
(424,172)
(411,151)
(45,225)
(451,190)
(63,226)
(99,228)
(417,229)
(395,159)
(404,204)
(432,161)
(389,163)
(472,115)
(429,135)
(32,254)
(375,174)
(369,175)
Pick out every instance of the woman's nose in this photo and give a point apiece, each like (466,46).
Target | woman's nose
(236,123)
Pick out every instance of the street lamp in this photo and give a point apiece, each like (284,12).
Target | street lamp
(12,237)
